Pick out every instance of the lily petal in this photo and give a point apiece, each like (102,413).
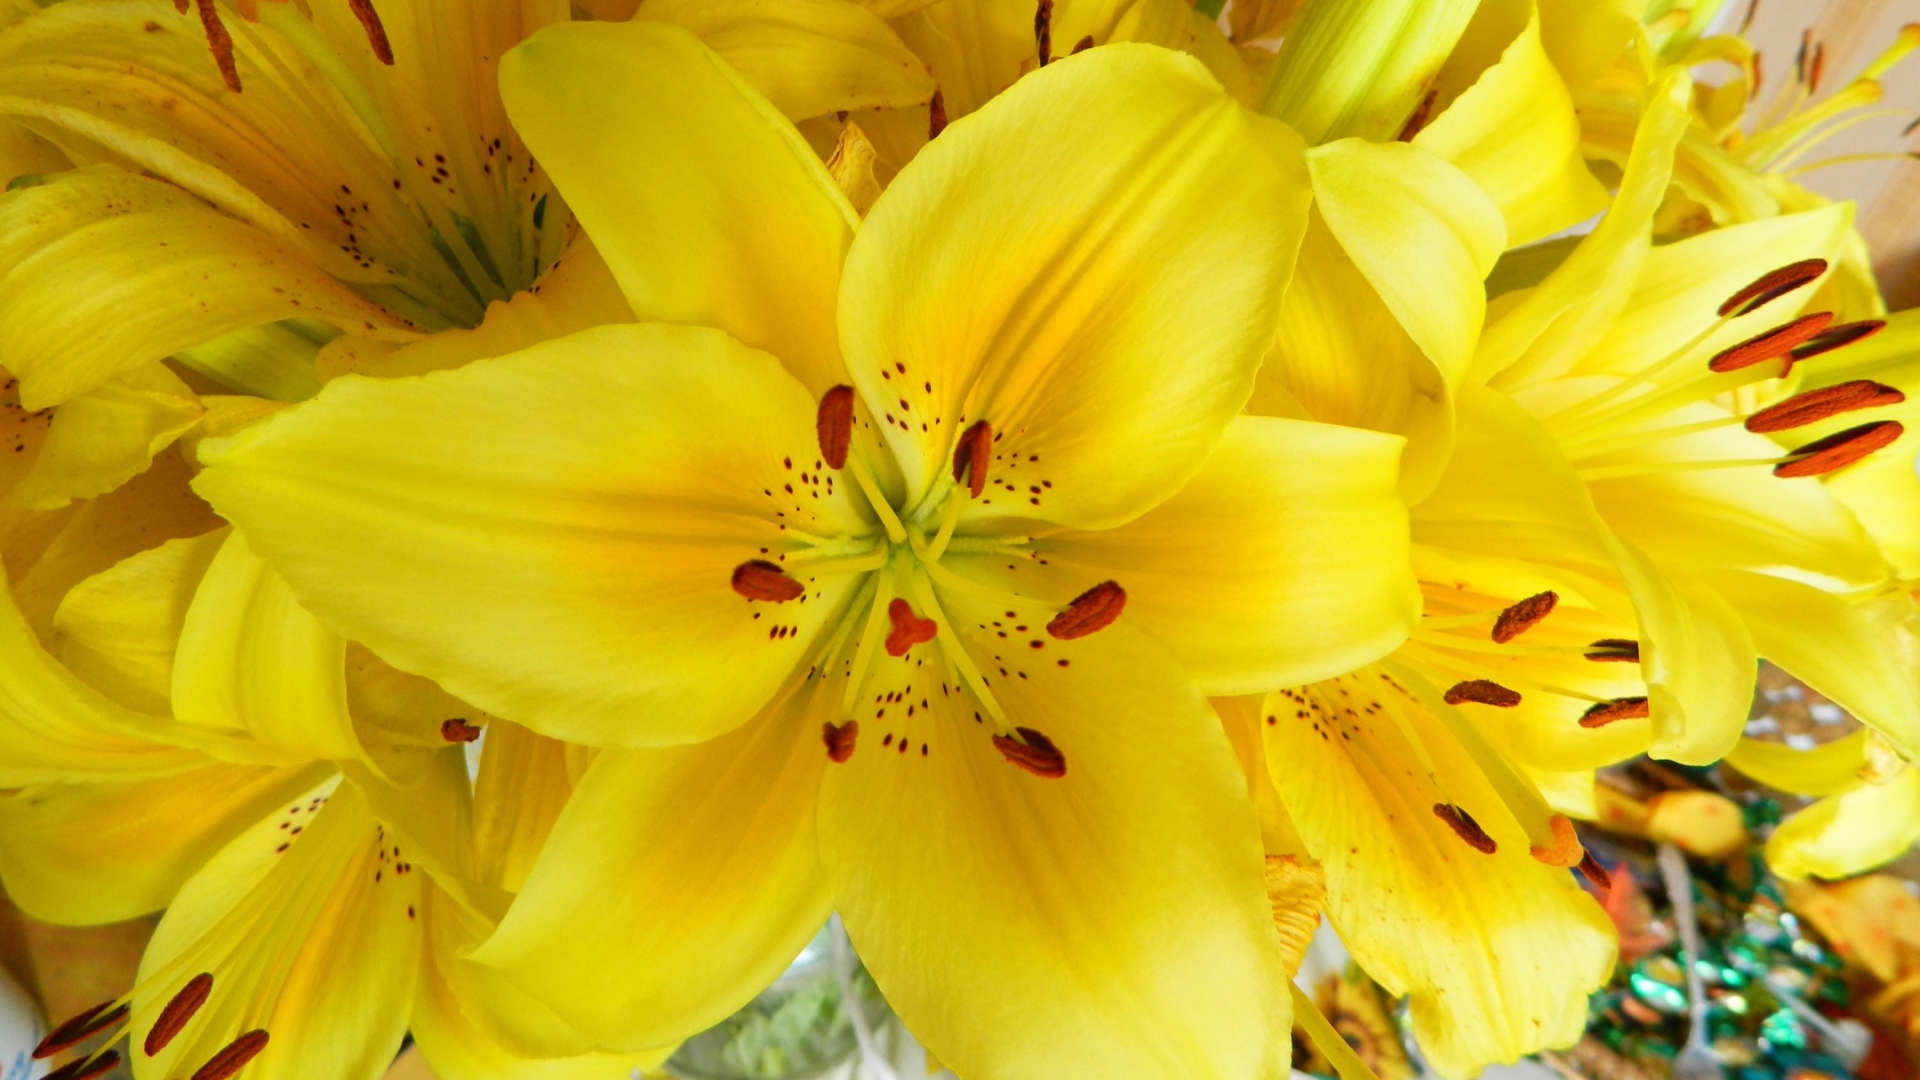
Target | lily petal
(1263,571)
(120,629)
(974,50)
(57,728)
(106,851)
(252,659)
(106,436)
(808,57)
(550,535)
(1035,266)
(1849,833)
(312,932)
(744,232)
(108,271)
(1827,769)
(457,1045)
(1849,652)
(1380,323)
(1515,132)
(70,545)
(1111,921)
(1546,331)
(1496,951)
(678,882)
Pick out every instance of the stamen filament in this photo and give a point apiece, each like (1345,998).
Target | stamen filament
(834,565)
(870,638)
(956,652)
(1618,471)
(948,520)
(857,465)
(988,545)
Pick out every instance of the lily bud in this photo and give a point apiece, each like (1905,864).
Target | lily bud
(1361,69)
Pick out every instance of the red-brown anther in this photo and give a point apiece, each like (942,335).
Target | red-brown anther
(936,114)
(233,1056)
(1481,692)
(840,739)
(1607,712)
(908,629)
(1520,617)
(174,1017)
(970,457)
(1590,868)
(833,424)
(1775,344)
(1838,337)
(85,1068)
(1465,828)
(219,42)
(758,579)
(105,1014)
(1043,31)
(1816,405)
(1092,610)
(1773,285)
(1036,754)
(376,33)
(458,730)
(1565,850)
(1840,449)
(1083,45)
(1615,650)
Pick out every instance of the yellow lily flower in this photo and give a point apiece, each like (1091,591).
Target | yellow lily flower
(1038,840)
(362,174)
(1741,156)
(298,936)
(1603,554)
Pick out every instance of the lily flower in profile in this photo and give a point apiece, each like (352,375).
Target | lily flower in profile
(888,566)
(1610,537)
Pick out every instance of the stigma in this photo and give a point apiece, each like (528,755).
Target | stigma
(908,629)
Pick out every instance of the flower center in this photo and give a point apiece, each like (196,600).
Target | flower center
(896,605)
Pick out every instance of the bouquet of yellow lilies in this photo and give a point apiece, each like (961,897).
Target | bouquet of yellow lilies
(514,513)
